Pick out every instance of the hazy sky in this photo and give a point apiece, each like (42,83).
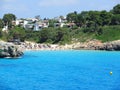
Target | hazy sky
(52,8)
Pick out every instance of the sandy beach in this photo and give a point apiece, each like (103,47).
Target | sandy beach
(89,45)
(79,45)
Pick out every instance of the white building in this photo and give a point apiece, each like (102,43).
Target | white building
(19,22)
(5,28)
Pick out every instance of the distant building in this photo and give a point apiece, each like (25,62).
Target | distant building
(59,24)
(60,21)
(19,22)
(40,25)
(29,26)
(5,28)
(37,27)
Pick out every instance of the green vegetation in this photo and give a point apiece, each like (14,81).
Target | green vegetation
(101,25)
(8,18)
(1,23)
(110,33)
(49,35)
(17,33)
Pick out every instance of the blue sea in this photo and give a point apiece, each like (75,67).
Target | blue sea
(61,70)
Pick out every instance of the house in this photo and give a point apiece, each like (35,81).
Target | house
(19,22)
(46,23)
(5,28)
(37,26)
(27,22)
(41,24)
(60,21)
(59,24)
(29,26)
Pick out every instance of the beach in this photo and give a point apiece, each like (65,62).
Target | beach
(89,45)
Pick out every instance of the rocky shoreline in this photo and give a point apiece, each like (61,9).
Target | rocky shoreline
(98,45)
(12,50)
(9,50)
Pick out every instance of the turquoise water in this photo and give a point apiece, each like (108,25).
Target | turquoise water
(61,70)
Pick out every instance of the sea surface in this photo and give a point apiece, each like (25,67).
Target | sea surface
(61,70)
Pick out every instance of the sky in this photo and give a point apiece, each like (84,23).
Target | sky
(52,8)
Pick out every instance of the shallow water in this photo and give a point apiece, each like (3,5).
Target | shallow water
(61,70)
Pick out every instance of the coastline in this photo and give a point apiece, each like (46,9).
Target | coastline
(28,46)
(89,45)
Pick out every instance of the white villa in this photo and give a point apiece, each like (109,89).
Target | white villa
(5,29)
(61,21)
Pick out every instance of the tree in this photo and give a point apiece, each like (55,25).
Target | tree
(62,36)
(8,18)
(115,19)
(44,35)
(83,18)
(71,17)
(62,17)
(80,20)
(1,23)
(105,17)
(0,33)
(17,33)
(51,23)
(95,17)
(116,9)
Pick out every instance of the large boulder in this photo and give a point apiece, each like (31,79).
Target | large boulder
(7,50)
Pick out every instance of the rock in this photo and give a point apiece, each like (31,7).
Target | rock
(110,46)
(7,50)
(97,45)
